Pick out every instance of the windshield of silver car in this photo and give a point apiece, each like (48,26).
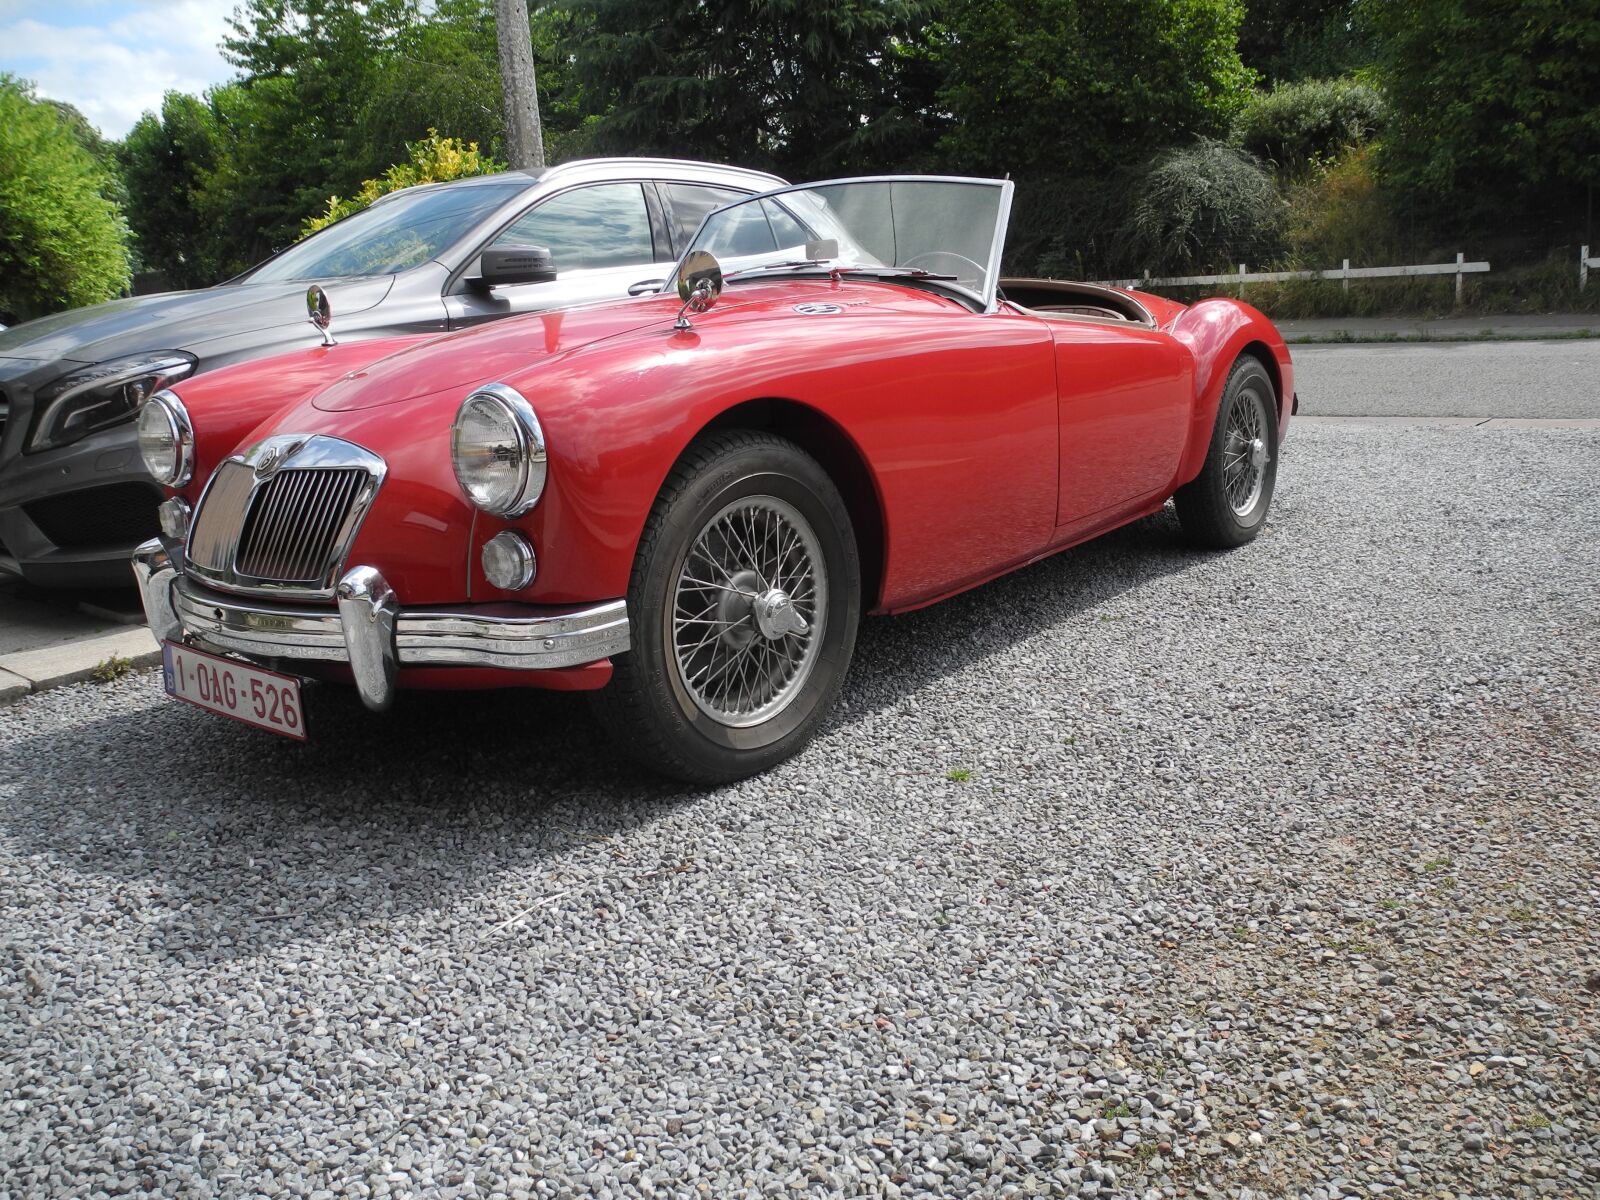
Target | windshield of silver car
(945,230)
(390,236)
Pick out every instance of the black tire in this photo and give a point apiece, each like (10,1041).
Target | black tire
(648,706)
(1206,510)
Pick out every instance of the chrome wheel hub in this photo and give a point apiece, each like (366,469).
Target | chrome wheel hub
(776,616)
(749,611)
(1244,452)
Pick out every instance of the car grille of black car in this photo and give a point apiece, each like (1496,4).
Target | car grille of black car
(116,514)
(5,415)
(284,530)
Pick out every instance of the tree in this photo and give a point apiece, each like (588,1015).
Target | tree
(1081,87)
(1288,40)
(62,242)
(170,166)
(802,86)
(440,73)
(1495,108)
(307,67)
(524,139)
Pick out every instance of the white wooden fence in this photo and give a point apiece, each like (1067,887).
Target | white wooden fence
(1584,263)
(1460,269)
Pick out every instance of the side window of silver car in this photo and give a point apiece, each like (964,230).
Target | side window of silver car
(605,225)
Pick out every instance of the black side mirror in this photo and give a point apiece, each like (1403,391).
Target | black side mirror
(515,264)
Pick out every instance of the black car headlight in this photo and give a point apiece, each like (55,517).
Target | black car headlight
(104,394)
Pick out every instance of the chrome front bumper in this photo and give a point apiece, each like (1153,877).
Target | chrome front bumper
(370,631)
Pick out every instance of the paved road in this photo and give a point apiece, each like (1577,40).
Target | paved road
(1462,379)
(1142,868)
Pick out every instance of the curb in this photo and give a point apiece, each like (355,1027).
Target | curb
(29,671)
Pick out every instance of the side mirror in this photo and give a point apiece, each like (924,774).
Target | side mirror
(515,264)
(699,285)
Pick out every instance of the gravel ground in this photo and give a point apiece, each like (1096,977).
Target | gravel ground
(1139,873)
(1464,379)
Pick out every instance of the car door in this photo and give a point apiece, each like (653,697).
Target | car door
(1125,393)
(601,239)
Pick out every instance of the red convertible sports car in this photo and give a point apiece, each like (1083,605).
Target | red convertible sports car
(684,504)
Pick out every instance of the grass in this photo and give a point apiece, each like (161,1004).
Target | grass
(1436,864)
(1112,1111)
(112,669)
(958,775)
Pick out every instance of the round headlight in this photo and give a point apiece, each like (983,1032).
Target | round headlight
(497,449)
(166,439)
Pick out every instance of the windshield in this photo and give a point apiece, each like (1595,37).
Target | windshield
(390,236)
(947,229)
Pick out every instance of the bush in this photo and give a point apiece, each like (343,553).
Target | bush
(1338,212)
(1199,206)
(1295,124)
(433,160)
(62,242)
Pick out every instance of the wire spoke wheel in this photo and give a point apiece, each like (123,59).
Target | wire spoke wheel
(1244,452)
(749,612)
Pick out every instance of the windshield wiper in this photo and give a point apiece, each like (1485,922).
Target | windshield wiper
(896,272)
(783,266)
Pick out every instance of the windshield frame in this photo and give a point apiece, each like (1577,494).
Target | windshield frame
(988,299)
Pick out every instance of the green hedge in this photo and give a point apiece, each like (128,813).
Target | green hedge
(62,242)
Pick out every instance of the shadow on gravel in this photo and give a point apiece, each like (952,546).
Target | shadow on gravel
(235,841)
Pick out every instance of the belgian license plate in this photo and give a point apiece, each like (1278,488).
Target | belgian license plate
(264,699)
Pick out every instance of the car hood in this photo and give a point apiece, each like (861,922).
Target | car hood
(178,320)
(490,352)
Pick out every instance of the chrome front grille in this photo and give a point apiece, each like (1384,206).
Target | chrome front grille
(295,521)
(280,517)
(215,535)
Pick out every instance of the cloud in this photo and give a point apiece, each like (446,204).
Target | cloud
(115,59)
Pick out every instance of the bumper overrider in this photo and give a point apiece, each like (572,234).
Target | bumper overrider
(369,631)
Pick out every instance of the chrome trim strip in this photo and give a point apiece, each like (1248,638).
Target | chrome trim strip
(514,637)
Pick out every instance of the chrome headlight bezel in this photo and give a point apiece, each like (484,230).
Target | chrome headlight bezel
(523,457)
(102,395)
(164,417)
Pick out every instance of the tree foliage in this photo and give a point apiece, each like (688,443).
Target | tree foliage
(1495,107)
(170,166)
(801,86)
(1287,40)
(1075,87)
(62,242)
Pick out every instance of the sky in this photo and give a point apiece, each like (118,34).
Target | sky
(114,59)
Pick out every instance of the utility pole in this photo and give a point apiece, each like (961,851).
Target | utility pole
(524,135)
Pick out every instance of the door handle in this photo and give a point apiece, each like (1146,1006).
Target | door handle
(646,286)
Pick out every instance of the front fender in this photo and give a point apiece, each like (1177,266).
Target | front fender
(1217,332)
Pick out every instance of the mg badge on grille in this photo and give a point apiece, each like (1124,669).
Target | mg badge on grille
(271,459)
